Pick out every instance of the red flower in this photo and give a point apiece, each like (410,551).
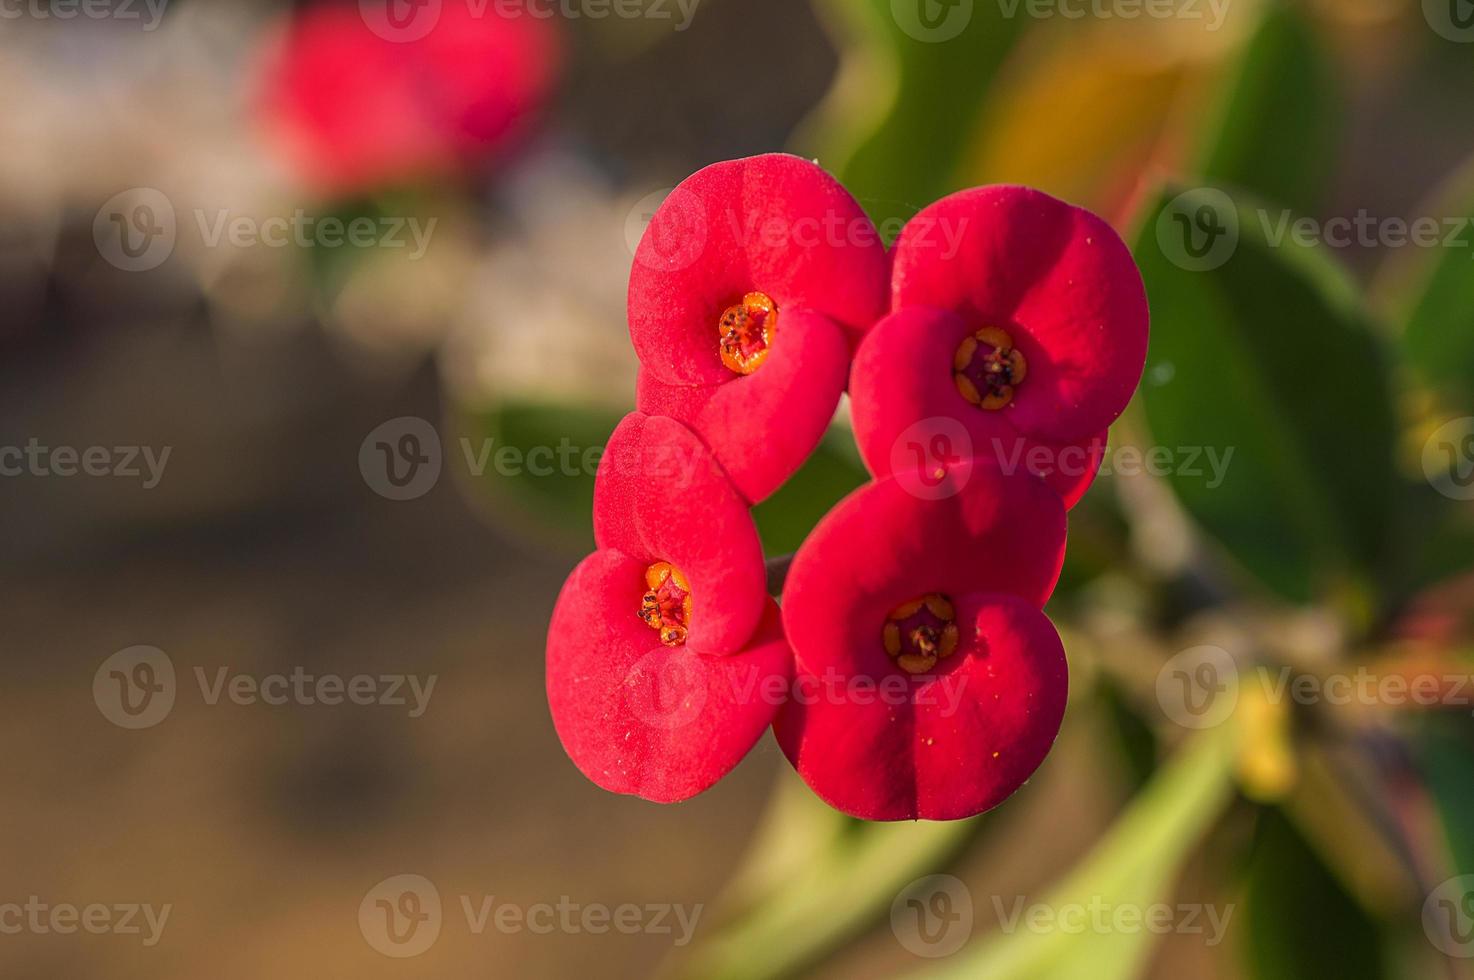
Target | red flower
(1018,317)
(928,682)
(666,659)
(358,101)
(749,289)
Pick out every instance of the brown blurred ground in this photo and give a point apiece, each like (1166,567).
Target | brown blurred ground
(264,826)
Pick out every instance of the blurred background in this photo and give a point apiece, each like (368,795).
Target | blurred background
(313,316)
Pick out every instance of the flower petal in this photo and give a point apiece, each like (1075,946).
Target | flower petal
(882,746)
(910,419)
(662,723)
(1056,277)
(660,495)
(762,426)
(882,547)
(775,223)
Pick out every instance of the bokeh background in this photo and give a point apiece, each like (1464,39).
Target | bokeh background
(1331,837)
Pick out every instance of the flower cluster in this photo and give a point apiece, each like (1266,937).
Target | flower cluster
(911,672)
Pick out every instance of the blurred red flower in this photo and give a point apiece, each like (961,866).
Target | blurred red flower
(356,98)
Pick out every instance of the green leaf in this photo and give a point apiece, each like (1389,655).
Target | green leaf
(1440,536)
(1260,347)
(898,121)
(1135,865)
(1445,752)
(1135,742)
(331,268)
(796,825)
(839,891)
(536,463)
(1434,298)
(787,517)
(1280,115)
(1293,904)
(1099,536)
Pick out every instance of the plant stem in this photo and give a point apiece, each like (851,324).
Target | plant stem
(778,573)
